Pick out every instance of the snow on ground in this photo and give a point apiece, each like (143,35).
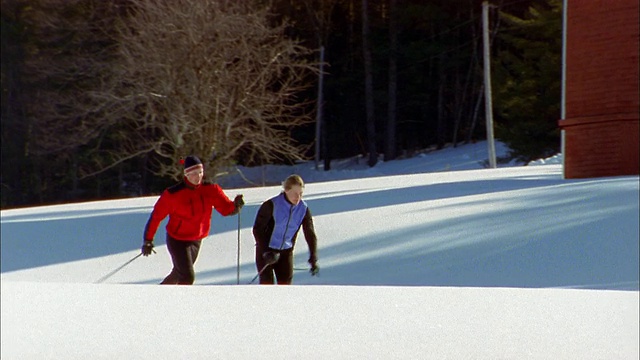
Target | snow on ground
(432,257)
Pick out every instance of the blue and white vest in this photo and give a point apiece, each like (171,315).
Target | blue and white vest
(287,218)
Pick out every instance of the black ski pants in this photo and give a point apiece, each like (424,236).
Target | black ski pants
(282,269)
(183,256)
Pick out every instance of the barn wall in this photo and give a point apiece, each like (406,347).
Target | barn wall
(602,97)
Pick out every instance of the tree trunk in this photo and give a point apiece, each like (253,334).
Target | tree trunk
(474,116)
(441,129)
(390,150)
(368,83)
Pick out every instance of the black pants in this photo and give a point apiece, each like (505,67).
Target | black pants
(283,269)
(183,256)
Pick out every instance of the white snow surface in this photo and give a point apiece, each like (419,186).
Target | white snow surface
(431,257)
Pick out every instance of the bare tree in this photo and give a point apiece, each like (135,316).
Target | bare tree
(211,78)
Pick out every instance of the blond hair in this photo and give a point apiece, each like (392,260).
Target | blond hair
(291,181)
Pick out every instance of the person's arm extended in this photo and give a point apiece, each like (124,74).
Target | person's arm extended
(310,235)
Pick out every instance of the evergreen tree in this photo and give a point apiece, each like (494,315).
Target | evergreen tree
(526,73)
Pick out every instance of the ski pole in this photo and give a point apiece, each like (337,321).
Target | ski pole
(118,269)
(258,274)
(272,259)
(238,258)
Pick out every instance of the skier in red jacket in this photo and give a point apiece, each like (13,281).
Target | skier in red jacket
(189,205)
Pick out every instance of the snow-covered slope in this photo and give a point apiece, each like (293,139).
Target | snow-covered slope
(508,263)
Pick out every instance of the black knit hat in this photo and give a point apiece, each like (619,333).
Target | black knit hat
(191,161)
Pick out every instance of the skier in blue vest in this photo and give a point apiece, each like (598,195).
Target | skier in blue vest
(275,230)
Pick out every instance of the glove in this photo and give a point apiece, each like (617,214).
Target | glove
(271,257)
(315,269)
(238,202)
(147,248)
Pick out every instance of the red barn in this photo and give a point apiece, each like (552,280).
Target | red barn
(601,88)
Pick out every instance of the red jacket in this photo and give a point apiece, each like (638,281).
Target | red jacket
(189,210)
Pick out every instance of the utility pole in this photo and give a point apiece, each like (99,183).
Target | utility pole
(487,85)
